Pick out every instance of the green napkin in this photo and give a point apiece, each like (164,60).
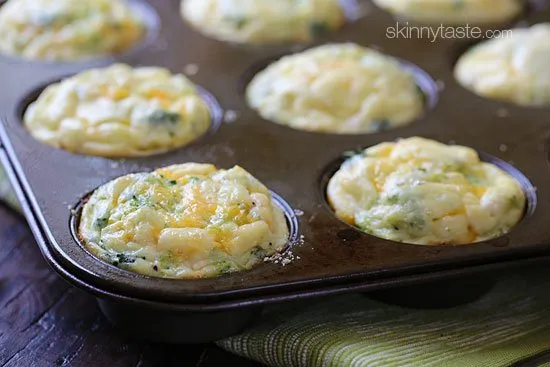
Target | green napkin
(507,325)
(6,193)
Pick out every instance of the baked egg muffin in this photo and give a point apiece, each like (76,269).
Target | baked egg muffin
(337,88)
(264,21)
(454,12)
(119,111)
(184,221)
(423,192)
(67,30)
(514,69)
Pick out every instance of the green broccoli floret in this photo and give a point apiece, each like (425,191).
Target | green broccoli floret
(101,222)
(318,29)
(162,117)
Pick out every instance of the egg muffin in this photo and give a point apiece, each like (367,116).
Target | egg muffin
(337,88)
(67,30)
(454,12)
(420,191)
(119,111)
(264,21)
(183,221)
(515,69)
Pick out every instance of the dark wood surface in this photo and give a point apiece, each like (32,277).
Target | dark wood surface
(46,322)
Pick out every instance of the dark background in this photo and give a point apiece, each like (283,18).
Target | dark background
(46,322)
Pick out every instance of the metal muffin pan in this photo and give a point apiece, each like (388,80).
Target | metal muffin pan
(333,256)
(142,9)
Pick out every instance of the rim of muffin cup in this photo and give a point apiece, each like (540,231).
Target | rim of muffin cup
(521,179)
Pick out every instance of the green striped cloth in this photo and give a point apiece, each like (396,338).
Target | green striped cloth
(6,193)
(509,324)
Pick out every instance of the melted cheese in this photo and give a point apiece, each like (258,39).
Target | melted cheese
(184,221)
(67,29)
(337,88)
(119,111)
(514,69)
(454,11)
(264,21)
(423,192)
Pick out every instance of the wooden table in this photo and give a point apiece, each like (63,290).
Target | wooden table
(46,322)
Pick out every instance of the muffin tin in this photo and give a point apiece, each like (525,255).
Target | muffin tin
(329,256)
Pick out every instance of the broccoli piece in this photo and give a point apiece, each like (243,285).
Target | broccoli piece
(318,29)
(393,199)
(224,268)
(459,4)
(101,222)
(515,203)
(237,21)
(258,252)
(162,117)
(120,259)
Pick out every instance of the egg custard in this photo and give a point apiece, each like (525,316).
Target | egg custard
(514,69)
(67,30)
(119,111)
(183,221)
(337,88)
(264,21)
(454,12)
(424,192)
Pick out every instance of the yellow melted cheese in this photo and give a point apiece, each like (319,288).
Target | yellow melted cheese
(423,192)
(458,12)
(264,21)
(337,88)
(119,111)
(67,29)
(514,69)
(184,221)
